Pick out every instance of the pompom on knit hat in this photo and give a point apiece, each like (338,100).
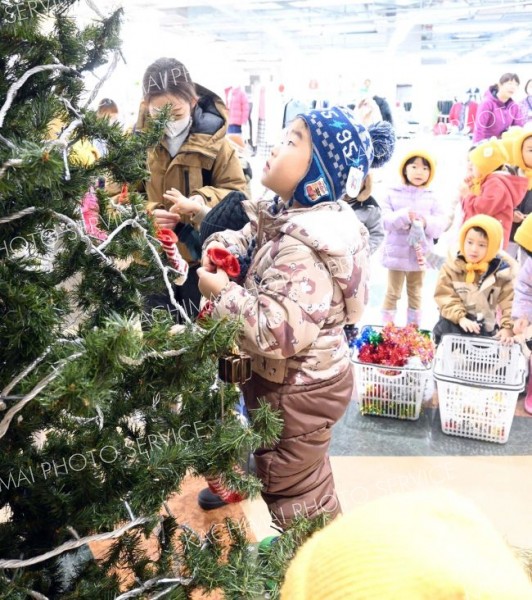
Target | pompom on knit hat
(523,234)
(227,214)
(421,153)
(432,545)
(488,156)
(341,148)
(493,229)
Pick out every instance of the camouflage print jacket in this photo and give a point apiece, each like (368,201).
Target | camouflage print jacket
(307,279)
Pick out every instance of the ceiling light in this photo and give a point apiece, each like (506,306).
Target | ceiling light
(470,35)
(265,6)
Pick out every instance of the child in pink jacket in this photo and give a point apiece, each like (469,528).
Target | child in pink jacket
(492,190)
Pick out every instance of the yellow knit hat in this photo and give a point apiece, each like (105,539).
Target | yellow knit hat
(430,545)
(513,140)
(488,156)
(523,235)
(493,229)
(422,153)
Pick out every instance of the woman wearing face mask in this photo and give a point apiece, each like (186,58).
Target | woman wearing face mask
(193,168)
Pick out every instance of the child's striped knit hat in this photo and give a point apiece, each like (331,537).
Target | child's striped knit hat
(340,145)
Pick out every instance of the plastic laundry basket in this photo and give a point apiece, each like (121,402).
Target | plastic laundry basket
(395,392)
(478,381)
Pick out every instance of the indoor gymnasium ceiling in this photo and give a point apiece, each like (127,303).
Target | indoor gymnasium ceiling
(258,31)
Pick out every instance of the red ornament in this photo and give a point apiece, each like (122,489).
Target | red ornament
(281,87)
(225,260)
(217,486)
(206,311)
(124,195)
(169,240)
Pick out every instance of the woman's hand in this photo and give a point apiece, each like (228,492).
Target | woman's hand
(206,262)
(469,325)
(182,204)
(211,284)
(164,219)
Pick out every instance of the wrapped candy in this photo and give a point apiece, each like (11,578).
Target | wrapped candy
(218,486)
(168,241)
(416,238)
(394,346)
(90,211)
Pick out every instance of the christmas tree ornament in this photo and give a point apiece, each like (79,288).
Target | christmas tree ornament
(169,241)
(90,211)
(226,261)
(123,198)
(234,368)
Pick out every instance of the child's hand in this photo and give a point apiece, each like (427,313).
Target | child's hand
(206,262)
(413,216)
(505,336)
(464,189)
(520,325)
(211,284)
(469,325)
(519,217)
(182,204)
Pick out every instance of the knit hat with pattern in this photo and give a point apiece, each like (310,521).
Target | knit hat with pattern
(341,149)
(417,546)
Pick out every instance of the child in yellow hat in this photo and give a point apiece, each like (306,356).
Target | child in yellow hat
(430,545)
(476,282)
(410,207)
(522,305)
(518,142)
(493,190)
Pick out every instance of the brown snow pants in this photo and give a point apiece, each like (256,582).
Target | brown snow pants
(296,473)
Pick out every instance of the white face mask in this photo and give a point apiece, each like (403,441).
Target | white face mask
(175,127)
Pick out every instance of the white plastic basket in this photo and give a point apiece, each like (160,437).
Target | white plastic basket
(395,392)
(478,382)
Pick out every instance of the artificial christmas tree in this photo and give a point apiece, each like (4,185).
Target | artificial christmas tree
(103,410)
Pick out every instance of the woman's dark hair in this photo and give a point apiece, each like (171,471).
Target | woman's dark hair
(526,87)
(409,162)
(168,76)
(509,77)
